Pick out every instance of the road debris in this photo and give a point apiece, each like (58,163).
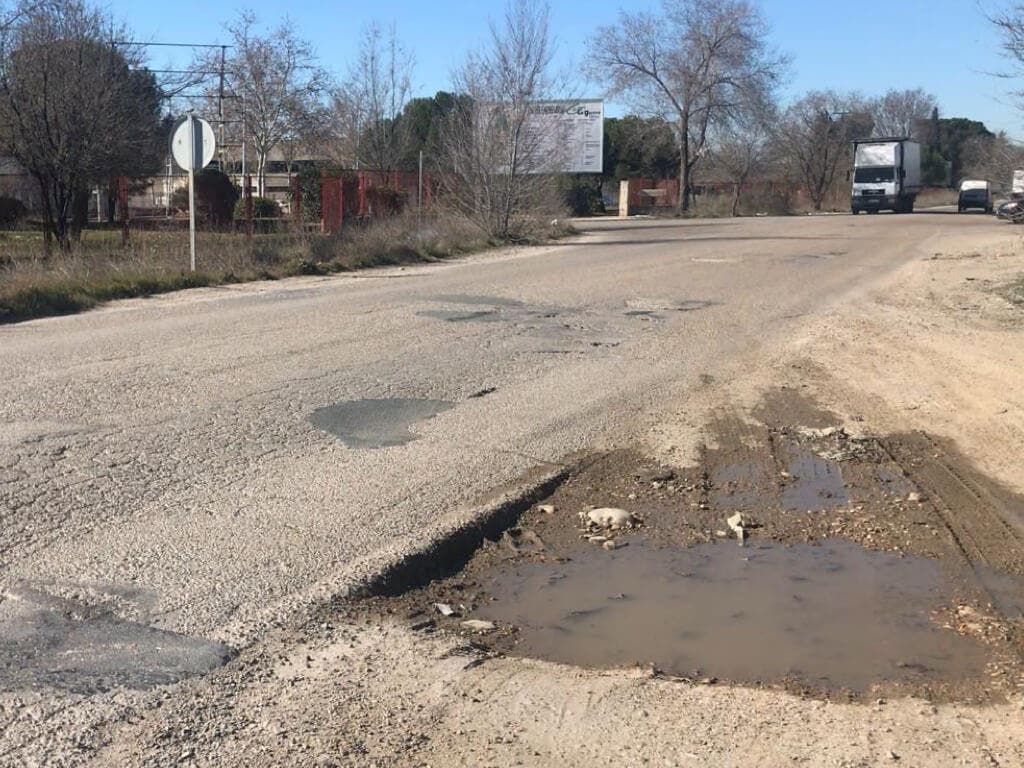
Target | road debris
(608,517)
(479,625)
(739,526)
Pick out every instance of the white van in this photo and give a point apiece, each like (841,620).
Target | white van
(974,193)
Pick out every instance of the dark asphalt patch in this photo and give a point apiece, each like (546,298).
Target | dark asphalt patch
(54,643)
(367,424)
(457,316)
(487,301)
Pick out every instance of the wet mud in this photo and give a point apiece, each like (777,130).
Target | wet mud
(871,566)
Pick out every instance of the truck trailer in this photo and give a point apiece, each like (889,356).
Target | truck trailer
(886,175)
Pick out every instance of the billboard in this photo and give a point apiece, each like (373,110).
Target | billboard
(567,136)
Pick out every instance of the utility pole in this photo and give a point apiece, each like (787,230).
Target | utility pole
(220,105)
(419,196)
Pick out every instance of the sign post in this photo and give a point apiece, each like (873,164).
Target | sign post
(193,145)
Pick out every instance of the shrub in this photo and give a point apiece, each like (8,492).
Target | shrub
(12,210)
(262,208)
(215,197)
(582,195)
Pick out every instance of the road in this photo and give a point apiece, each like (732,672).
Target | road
(158,462)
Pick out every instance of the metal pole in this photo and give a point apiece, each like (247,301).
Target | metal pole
(192,192)
(419,195)
(244,176)
(220,105)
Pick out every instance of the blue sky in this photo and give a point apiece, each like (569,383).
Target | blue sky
(944,46)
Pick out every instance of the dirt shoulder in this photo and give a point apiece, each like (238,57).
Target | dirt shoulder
(939,348)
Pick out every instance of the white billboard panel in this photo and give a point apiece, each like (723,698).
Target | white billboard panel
(567,136)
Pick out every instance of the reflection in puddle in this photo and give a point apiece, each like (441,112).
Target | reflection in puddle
(376,423)
(813,483)
(833,615)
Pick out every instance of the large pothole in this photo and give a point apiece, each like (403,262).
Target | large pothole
(833,615)
(856,578)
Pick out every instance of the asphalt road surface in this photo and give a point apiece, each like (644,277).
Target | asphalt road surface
(184,466)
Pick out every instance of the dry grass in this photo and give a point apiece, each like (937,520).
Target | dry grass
(100,269)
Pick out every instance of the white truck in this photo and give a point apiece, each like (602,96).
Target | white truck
(886,175)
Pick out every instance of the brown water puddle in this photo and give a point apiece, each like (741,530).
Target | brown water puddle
(874,565)
(833,615)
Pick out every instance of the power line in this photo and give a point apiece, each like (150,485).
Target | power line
(170,45)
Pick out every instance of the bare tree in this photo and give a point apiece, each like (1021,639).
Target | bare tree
(697,64)
(902,113)
(75,108)
(369,104)
(499,145)
(993,158)
(814,138)
(743,151)
(275,84)
(1010,25)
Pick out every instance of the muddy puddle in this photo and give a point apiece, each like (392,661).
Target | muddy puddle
(873,565)
(367,424)
(832,615)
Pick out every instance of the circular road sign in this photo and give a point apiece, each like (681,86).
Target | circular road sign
(203,144)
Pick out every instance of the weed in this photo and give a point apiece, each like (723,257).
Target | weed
(101,269)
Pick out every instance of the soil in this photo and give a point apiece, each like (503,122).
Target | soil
(797,476)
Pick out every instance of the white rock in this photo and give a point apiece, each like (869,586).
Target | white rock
(547,509)
(609,544)
(915,496)
(739,527)
(479,625)
(444,609)
(608,517)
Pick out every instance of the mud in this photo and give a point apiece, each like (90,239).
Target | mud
(930,559)
(368,424)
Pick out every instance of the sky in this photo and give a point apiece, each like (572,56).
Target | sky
(947,47)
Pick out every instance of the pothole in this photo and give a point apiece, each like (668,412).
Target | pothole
(368,424)
(853,581)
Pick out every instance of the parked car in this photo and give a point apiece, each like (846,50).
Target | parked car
(974,193)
